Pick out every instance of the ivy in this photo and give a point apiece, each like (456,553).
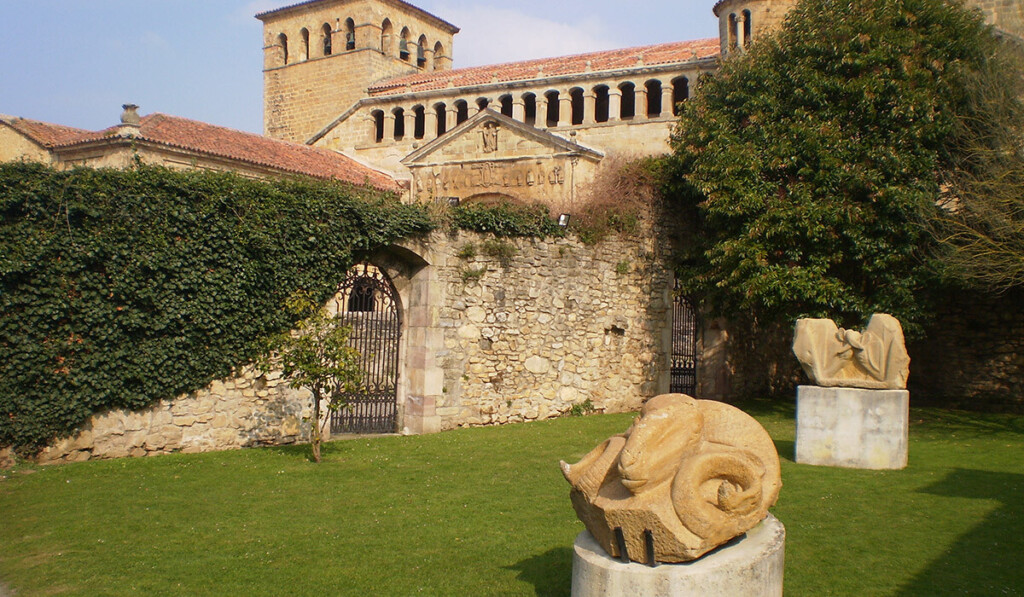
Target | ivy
(119,288)
(506,219)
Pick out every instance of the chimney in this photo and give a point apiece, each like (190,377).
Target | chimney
(130,121)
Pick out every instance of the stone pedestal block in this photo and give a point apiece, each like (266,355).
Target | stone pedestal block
(852,427)
(750,566)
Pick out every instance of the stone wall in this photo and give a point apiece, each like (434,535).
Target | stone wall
(248,410)
(1007,15)
(487,339)
(557,324)
(973,356)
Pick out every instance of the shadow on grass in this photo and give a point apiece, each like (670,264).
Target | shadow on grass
(953,421)
(986,559)
(550,573)
(786,449)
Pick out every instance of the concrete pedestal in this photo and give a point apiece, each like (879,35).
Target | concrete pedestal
(851,427)
(749,567)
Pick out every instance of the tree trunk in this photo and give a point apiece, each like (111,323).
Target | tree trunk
(314,436)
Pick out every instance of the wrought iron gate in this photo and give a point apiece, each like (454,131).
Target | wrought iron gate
(684,345)
(368,303)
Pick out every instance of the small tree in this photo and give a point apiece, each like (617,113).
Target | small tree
(315,355)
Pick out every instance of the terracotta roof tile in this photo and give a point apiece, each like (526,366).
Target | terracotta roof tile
(668,53)
(202,137)
(45,133)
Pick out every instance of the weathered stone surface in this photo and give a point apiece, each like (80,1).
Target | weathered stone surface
(693,473)
(750,567)
(852,427)
(831,356)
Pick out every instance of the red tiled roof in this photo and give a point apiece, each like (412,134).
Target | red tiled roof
(192,135)
(45,133)
(674,52)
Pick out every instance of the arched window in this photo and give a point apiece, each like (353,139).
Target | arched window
(350,34)
(506,105)
(386,34)
(439,57)
(419,122)
(530,109)
(442,118)
(325,39)
(653,98)
(304,34)
(378,125)
(399,115)
(680,93)
(733,31)
(282,40)
(482,103)
(576,101)
(461,111)
(627,107)
(554,109)
(748,28)
(601,103)
(421,52)
(403,44)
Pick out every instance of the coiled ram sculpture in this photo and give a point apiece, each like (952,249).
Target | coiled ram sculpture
(688,476)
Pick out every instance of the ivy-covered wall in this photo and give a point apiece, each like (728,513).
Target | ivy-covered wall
(122,288)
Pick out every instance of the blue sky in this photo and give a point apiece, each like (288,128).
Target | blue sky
(75,62)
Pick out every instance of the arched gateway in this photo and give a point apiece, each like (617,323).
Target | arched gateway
(368,302)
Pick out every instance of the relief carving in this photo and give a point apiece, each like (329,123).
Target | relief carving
(874,359)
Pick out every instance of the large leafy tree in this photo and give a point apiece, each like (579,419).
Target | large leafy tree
(815,159)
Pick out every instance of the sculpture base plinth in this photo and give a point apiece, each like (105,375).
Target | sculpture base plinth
(750,566)
(852,427)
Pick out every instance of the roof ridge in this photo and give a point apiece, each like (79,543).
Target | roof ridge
(421,78)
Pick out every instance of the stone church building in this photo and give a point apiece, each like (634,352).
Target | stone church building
(364,91)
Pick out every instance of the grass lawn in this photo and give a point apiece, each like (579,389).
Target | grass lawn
(485,511)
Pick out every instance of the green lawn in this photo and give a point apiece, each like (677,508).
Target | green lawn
(485,511)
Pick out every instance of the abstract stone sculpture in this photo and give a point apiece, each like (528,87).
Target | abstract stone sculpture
(688,476)
(874,359)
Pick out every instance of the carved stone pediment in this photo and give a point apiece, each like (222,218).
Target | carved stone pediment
(491,154)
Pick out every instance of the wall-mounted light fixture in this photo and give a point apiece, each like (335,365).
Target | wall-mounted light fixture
(563,220)
(453,201)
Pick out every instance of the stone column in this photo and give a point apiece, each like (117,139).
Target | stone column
(667,107)
(589,106)
(614,104)
(429,123)
(428,54)
(564,109)
(640,103)
(740,40)
(542,112)
(410,122)
(425,376)
(518,110)
(389,127)
(373,128)
(451,118)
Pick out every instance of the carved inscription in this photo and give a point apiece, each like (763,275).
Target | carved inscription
(487,176)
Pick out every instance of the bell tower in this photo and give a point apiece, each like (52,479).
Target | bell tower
(742,21)
(320,56)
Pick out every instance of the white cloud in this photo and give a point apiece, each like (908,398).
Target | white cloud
(519,36)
